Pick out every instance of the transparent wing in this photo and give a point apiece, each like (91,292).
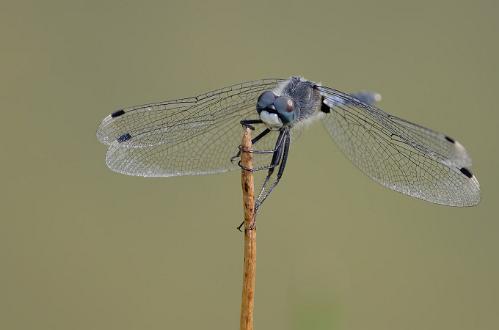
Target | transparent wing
(188,136)
(400,155)
(444,145)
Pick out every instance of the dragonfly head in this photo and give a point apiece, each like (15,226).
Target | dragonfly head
(275,111)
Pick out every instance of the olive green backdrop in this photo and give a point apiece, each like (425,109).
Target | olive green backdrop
(84,248)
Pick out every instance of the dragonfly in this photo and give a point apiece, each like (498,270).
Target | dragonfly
(200,135)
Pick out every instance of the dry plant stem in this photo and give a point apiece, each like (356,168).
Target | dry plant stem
(248,297)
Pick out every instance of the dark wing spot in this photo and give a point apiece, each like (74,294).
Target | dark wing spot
(124,137)
(451,140)
(466,172)
(324,107)
(117,113)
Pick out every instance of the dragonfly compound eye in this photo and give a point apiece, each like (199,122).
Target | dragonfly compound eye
(285,107)
(265,100)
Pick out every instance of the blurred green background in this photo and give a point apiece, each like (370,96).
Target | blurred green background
(84,248)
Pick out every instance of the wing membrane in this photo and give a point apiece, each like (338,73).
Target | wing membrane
(400,155)
(188,136)
(444,145)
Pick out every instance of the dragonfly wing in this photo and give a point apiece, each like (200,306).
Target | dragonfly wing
(443,144)
(451,149)
(400,155)
(189,136)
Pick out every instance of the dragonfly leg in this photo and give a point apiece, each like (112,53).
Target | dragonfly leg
(248,123)
(283,159)
(276,159)
(253,141)
(255,169)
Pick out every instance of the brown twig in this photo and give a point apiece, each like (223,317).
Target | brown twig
(248,297)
